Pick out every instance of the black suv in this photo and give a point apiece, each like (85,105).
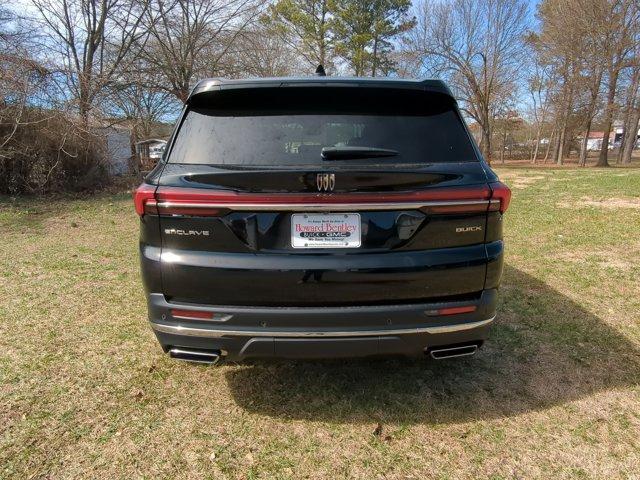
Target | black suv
(321,217)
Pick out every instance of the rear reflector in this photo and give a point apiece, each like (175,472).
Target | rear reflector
(192,314)
(500,197)
(457,310)
(143,199)
(452,310)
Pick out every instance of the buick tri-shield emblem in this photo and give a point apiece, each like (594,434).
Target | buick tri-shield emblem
(325,182)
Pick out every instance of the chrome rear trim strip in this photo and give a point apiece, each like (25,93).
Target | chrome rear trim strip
(322,207)
(219,332)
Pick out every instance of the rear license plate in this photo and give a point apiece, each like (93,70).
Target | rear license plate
(325,230)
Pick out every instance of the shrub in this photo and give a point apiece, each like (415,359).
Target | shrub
(47,151)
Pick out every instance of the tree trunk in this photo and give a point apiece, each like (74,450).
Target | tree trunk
(593,100)
(486,134)
(583,145)
(630,136)
(562,137)
(321,38)
(375,57)
(486,145)
(551,140)
(181,94)
(561,142)
(632,115)
(625,128)
(537,147)
(603,157)
(84,106)
(556,148)
(135,159)
(603,160)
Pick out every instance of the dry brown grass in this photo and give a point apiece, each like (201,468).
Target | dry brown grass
(86,392)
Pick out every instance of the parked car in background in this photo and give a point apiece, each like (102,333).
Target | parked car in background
(321,218)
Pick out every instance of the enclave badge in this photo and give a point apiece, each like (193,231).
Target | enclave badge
(192,233)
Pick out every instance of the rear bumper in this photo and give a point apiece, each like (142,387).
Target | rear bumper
(316,332)
(320,279)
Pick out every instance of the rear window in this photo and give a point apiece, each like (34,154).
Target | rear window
(291,128)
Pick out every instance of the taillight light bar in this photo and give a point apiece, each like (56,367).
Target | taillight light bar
(204,202)
(207,202)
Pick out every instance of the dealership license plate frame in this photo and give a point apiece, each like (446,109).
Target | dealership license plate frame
(323,239)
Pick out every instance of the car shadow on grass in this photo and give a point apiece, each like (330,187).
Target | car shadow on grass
(544,350)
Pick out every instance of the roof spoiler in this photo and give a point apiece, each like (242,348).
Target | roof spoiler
(212,85)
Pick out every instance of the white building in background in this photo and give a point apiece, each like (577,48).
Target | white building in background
(151,148)
(594,141)
(149,152)
(117,149)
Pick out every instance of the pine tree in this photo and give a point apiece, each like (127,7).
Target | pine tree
(304,25)
(364,32)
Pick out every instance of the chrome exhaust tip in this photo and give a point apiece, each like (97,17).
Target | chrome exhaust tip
(440,353)
(195,356)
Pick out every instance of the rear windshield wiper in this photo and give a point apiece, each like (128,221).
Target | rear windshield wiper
(348,153)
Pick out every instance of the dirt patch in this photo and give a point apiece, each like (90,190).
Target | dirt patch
(521,181)
(607,203)
(604,259)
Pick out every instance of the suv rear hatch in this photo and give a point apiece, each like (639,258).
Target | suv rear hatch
(321,196)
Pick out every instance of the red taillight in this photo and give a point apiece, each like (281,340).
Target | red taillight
(191,314)
(144,200)
(501,193)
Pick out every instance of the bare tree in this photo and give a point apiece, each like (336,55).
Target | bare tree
(558,46)
(92,38)
(42,147)
(137,102)
(540,84)
(21,80)
(587,53)
(621,17)
(590,39)
(478,45)
(262,52)
(191,39)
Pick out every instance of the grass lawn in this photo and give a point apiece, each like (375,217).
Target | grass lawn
(85,391)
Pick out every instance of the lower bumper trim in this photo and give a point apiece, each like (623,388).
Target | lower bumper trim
(220,332)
